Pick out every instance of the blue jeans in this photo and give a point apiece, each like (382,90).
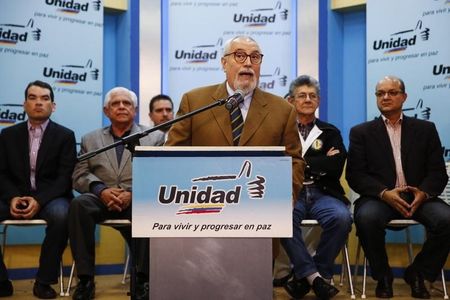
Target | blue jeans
(55,212)
(334,217)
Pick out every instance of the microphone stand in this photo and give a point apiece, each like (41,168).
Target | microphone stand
(130,142)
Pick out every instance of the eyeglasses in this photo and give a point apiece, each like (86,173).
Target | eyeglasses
(381,94)
(241,57)
(303,96)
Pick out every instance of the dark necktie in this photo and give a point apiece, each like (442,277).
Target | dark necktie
(237,122)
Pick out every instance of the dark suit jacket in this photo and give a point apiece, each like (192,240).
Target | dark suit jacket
(271,121)
(332,166)
(55,162)
(371,166)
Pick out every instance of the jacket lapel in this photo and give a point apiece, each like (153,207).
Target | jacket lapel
(256,114)
(407,140)
(126,156)
(107,139)
(45,145)
(23,147)
(312,136)
(380,133)
(222,115)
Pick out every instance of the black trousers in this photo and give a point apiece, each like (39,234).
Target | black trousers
(371,217)
(85,212)
(55,240)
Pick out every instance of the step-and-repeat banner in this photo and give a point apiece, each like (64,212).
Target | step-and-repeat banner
(61,43)
(194,33)
(409,39)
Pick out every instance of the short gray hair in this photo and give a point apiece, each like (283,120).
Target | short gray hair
(227,45)
(304,80)
(119,89)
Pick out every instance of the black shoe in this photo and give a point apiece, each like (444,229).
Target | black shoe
(279,282)
(323,289)
(141,292)
(85,290)
(6,288)
(416,282)
(43,291)
(384,288)
(297,288)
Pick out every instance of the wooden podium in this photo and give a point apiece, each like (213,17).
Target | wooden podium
(211,213)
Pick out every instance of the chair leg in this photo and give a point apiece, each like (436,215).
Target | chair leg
(343,266)
(444,286)
(5,228)
(61,279)
(363,295)
(355,271)
(69,284)
(349,274)
(409,243)
(125,268)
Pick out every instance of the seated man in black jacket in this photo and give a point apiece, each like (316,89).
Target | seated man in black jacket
(37,158)
(322,197)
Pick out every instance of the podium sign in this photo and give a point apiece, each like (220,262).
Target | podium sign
(212,192)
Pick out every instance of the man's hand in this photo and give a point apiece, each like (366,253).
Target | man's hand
(392,197)
(24,207)
(419,198)
(125,197)
(110,197)
(332,151)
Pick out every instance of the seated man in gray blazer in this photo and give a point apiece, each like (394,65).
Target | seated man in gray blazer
(104,182)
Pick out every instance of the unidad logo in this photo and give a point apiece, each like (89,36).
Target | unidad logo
(268,81)
(441,70)
(11,114)
(73,7)
(204,197)
(72,74)
(199,53)
(11,34)
(260,17)
(401,40)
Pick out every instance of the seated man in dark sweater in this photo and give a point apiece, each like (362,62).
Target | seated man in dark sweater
(322,197)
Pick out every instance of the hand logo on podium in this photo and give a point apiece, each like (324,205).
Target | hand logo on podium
(255,187)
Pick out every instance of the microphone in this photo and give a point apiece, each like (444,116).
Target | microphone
(233,101)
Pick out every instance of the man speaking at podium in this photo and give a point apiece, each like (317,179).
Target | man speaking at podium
(254,118)
(261,119)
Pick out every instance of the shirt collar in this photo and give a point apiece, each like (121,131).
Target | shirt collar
(308,125)
(387,122)
(247,97)
(43,125)
(127,133)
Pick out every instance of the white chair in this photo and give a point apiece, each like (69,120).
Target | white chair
(112,223)
(395,224)
(345,258)
(34,222)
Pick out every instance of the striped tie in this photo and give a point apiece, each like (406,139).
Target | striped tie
(237,122)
